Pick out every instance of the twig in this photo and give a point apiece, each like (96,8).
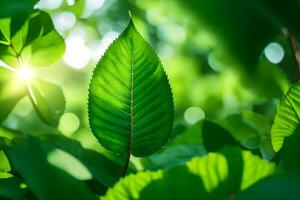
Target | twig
(296,51)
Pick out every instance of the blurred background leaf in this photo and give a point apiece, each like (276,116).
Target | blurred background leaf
(104,170)
(275,188)
(290,150)
(46,181)
(12,188)
(11,91)
(243,37)
(214,176)
(48,100)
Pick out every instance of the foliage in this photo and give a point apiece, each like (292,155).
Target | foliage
(131,97)
(193,99)
(286,118)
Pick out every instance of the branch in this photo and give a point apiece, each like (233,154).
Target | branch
(293,42)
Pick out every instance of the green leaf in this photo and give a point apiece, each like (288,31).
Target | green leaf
(269,80)
(245,127)
(29,158)
(122,189)
(10,8)
(31,44)
(103,169)
(8,55)
(48,100)
(254,169)
(4,175)
(234,35)
(211,131)
(5,30)
(9,135)
(290,153)
(169,187)
(286,117)
(252,130)
(4,163)
(173,156)
(18,40)
(275,188)
(11,188)
(50,44)
(12,89)
(214,176)
(17,10)
(130,100)
(204,133)
(191,136)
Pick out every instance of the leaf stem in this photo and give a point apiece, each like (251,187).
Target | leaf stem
(4,42)
(126,165)
(296,52)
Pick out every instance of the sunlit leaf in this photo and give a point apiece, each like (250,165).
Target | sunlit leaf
(50,44)
(254,169)
(4,175)
(4,163)
(286,117)
(8,135)
(103,169)
(130,100)
(11,91)
(32,43)
(214,176)
(122,189)
(36,43)
(48,100)
(8,55)
(5,30)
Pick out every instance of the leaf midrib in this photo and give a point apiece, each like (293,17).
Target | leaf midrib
(131,98)
(128,153)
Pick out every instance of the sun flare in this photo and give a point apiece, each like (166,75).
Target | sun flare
(25,73)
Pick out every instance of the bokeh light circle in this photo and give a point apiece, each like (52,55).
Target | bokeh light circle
(193,114)
(68,123)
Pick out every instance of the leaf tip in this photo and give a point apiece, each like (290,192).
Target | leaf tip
(129,13)
(130,23)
